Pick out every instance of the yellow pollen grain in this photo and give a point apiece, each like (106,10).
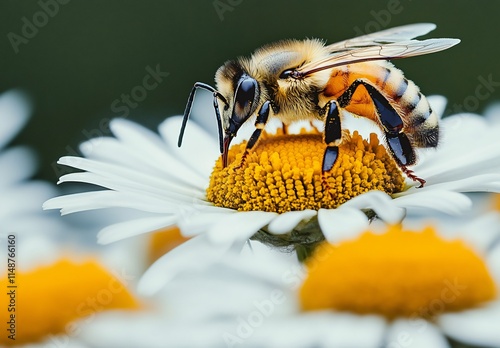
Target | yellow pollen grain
(397,274)
(49,299)
(283,173)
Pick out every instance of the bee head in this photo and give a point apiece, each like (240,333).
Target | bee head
(242,93)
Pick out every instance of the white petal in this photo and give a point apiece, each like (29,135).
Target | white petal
(424,200)
(141,141)
(195,254)
(199,150)
(195,224)
(203,113)
(132,228)
(17,164)
(492,112)
(381,203)
(111,199)
(476,183)
(341,224)
(320,329)
(494,262)
(478,327)
(164,192)
(482,232)
(239,226)
(25,198)
(438,104)
(14,112)
(416,333)
(286,222)
(134,179)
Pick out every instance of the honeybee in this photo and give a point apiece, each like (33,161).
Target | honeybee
(308,80)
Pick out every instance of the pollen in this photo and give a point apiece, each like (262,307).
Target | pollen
(397,274)
(283,173)
(48,300)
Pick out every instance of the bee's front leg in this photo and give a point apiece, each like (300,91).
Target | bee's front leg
(333,135)
(260,124)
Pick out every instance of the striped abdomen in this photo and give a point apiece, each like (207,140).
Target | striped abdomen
(420,122)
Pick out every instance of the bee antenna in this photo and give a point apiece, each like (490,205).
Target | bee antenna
(189,106)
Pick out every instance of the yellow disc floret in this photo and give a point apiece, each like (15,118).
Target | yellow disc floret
(283,173)
(48,300)
(398,273)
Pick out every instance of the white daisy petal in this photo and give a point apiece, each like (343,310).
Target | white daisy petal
(438,104)
(197,223)
(17,164)
(478,183)
(415,333)
(478,327)
(104,149)
(129,177)
(126,229)
(24,198)
(239,227)
(142,141)
(199,150)
(320,329)
(286,222)
(341,224)
(14,112)
(482,232)
(194,254)
(380,203)
(444,201)
(164,193)
(494,262)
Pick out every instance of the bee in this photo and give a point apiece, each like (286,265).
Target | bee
(307,80)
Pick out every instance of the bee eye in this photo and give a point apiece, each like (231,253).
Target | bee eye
(244,98)
(286,74)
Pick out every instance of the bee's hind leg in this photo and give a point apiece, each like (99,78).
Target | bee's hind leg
(333,137)
(260,124)
(392,124)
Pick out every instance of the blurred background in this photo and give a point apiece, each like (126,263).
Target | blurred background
(86,62)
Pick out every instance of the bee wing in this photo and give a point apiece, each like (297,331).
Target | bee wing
(380,51)
(396,34)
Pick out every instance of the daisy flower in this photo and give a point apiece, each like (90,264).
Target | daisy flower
(390,287)
(279,196)
(21,198)
(47,282)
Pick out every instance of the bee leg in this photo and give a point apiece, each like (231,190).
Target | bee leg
(189,105)
(399,144)
(333,136)
(285,129)
(403,154)
(260,123)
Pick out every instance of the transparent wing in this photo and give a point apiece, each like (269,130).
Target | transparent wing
(377,51)
(396,34)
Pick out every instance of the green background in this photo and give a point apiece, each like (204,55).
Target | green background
(91,52)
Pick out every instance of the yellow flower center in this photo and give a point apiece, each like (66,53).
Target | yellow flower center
(49,299)
(398,273)
(163,241)
(283,173)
